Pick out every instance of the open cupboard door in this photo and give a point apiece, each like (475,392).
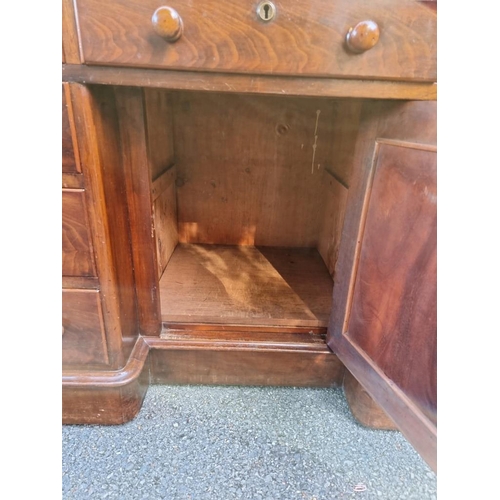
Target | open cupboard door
(383,321)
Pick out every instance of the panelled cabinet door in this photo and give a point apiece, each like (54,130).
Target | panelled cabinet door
(384,323)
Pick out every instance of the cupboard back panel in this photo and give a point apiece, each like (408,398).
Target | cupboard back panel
(251,170)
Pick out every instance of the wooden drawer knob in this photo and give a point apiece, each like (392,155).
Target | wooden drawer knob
(167,23)
(362,37)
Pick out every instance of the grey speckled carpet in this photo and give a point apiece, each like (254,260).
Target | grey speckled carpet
(194,442)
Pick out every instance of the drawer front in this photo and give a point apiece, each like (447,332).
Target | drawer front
(70,163)
(83,340)
(77,254)
(305,37)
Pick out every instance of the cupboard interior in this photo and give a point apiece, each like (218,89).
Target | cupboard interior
(249,195)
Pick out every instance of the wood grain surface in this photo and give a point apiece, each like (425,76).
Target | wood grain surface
(213,367)
(70,158)
(136,167)
(393,314)
(408,131)
(83,341)
(77,250)
(346,116)
(306,37)
(114,192)
(252,84)
(165,217)
(80,282)
(95,122)
(250,170)
(159,116)
(70,40)
(246,286)
(106,397)
(236,358)
(365,410)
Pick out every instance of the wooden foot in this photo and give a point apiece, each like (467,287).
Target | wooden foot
(363,407)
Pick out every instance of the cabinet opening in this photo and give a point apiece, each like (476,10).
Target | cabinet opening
(249,194)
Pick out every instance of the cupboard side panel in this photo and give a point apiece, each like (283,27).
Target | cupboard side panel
(134,154)
(333,219)
(92,144)
(114,191)
(159,129)
(165,218)
(159,112)
(337,177)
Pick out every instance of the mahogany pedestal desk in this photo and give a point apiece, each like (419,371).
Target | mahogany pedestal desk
(249,197)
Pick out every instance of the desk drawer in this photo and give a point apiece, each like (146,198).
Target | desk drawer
(305,37)
(77,253)
(70,163)
(83,340)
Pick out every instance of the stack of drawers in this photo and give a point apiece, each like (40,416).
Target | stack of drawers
(83,341)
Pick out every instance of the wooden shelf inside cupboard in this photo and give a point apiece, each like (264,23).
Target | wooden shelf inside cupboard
(249,286)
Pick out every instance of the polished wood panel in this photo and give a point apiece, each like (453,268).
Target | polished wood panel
(107,397)
(134,148)
(83,341)
(203,359)
(363,407)
(411,125)
(77,250)
(97,139)
(246,286)
(70,42)
(250,170)
(114,191)
(255,84)
(307,37)
(393,312)
(70,155)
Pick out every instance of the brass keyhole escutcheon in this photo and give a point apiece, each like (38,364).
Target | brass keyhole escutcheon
(266,10)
